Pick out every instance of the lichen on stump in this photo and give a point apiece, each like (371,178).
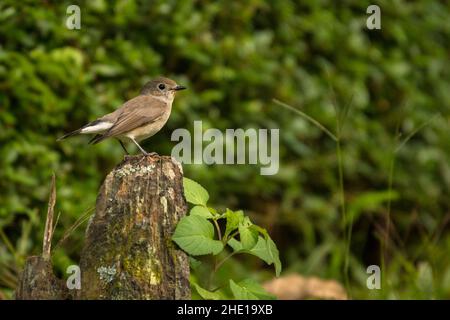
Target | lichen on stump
(128,251)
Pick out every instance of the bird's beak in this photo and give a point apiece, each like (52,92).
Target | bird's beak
(178,88)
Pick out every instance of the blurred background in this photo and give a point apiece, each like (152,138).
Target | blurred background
(236,57)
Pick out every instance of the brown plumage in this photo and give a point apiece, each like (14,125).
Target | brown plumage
(135,113)
(138,118)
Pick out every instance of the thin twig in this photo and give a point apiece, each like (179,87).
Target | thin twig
(345,112)
(73,227)
(409,136)
(8,243)
(56,221)
(340,116)
(310,119)
(48,232)
(385,235)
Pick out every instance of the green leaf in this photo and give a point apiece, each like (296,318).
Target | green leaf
(369,201)
(208,295)
(195,235)
(249,237)
(249,290)
(213,211)
(262,251)
(235,245)
(246,222)
(260,230)
(234,218)
(194,192)
(194,263)
(201,211)
(273,251)
(266,250)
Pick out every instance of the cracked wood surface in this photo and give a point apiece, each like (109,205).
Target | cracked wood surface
(128,252)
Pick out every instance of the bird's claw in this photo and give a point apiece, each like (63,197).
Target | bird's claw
(151,154)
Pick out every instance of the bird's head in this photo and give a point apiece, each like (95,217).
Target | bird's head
(161,87)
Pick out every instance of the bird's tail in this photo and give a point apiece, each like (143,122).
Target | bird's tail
(96,139)
(70,134)
(92,127)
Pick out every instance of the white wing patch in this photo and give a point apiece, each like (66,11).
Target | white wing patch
(97,128)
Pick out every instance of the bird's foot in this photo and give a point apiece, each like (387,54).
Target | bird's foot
(128,156)
(151,154)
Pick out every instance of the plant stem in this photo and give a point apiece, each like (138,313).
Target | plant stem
(211,275)
(340,115)
(416,130)
(219,234)
(385,241)
(8,243)
(218,229)
(337,138)
(347,235)
(49,228)
(304,115)
(85,216)
(231,236)
(341,183)
(217,266)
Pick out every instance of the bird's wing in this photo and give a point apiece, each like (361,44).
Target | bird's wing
(135,113)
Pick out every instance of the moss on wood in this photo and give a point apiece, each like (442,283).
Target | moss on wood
(128,253)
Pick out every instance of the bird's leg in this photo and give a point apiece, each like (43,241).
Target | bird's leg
(123,147)
(140,148)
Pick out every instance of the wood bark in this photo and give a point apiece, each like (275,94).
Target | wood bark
(128,252)
(37,281)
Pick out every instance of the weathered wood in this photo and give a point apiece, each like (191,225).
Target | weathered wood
(37,281)
(48,231)
(128,252)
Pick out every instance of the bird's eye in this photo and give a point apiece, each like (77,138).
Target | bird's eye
(161,86)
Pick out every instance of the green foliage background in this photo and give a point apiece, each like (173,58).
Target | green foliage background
(235,57)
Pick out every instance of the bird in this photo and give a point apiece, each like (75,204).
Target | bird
(137,119)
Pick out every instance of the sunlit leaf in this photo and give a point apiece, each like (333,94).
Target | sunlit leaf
(249,290)
(194,234)
(194,192)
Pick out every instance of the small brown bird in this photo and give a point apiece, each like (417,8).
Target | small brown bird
(138,118)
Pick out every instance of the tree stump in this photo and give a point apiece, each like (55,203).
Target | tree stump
(37,281)
(128,251)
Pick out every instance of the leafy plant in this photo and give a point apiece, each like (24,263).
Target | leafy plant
(235,57)
(200,233)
